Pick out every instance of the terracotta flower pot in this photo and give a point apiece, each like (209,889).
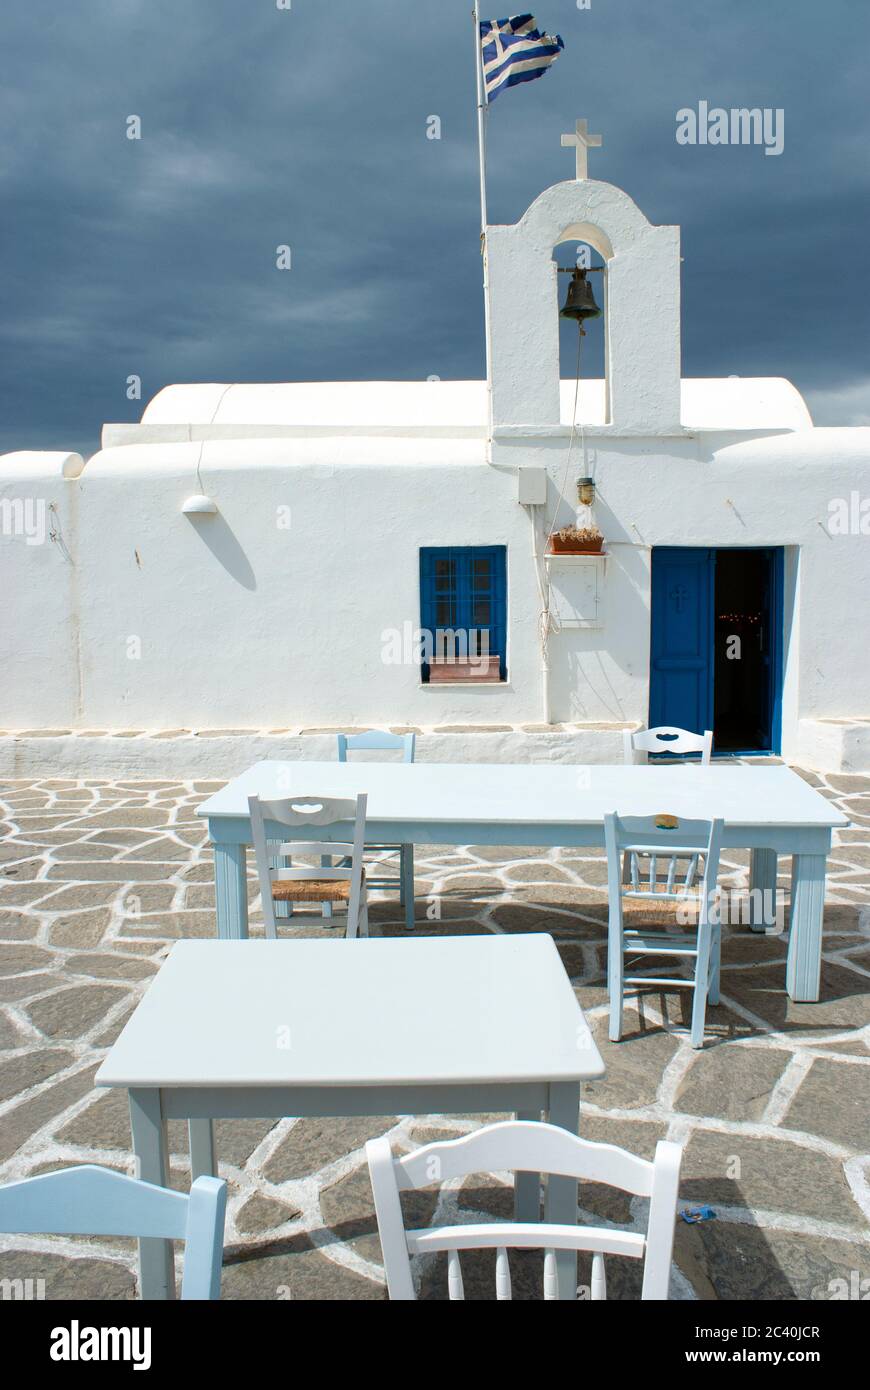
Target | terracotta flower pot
(558,546)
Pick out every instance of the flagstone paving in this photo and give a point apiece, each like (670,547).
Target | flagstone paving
(99,878)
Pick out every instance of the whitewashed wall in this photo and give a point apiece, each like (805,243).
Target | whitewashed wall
(39,584)
(239,623)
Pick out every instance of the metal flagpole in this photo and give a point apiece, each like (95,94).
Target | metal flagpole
(482,105)
(481,118)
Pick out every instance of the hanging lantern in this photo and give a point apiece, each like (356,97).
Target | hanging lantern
(586,491)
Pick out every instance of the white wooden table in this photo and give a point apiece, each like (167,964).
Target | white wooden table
(769,810)
(426,1026)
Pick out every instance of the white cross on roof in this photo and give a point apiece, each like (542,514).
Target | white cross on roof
(583,142)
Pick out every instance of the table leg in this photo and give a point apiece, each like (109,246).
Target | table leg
(527,1186)
(203,1161)
(231,892)
(762,890)
(804,964)
(156,1262)
(560,1205)
(406,870)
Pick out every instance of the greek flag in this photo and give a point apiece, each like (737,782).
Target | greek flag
(514,50)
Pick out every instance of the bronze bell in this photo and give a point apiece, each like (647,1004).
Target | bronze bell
(580,302)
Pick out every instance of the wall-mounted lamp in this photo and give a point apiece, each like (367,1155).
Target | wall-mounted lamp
(586,491)
(199,505)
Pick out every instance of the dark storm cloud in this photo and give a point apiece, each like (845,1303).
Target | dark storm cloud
(308,127)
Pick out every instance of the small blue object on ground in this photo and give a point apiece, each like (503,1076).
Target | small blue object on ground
(692,1215)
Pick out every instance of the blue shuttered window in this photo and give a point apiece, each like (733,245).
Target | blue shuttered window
(463,589)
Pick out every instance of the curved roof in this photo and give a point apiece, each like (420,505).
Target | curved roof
(726,403)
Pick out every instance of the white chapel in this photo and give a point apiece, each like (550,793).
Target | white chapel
(256,566)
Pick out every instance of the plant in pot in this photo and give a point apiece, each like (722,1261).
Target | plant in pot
(577,540)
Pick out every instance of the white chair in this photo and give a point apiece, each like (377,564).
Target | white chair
(381,740)
(525,1146)
(664,739)
(651,899)
(100,1202)
(340,884)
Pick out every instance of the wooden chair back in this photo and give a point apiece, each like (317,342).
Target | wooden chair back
(665,739)
(525,1146)
(316,812)
(379,740)
(100,1202)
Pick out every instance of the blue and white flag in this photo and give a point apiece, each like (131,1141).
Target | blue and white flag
(514,50)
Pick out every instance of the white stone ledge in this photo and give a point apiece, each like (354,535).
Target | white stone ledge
(514,432)
(822,745)
(28,464)
(834,745)
(208,753)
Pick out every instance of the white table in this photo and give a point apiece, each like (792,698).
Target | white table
(426,1026)
(769,810)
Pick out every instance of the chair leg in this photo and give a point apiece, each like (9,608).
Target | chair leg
(406,871)
(715,966)
(282,910)
(326,908)
(702,980)
(359,927)
(615,973)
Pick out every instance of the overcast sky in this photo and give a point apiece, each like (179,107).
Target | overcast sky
(307,127)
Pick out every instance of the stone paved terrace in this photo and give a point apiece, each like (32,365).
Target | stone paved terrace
(99,879)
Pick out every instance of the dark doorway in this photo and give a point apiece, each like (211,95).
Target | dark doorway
(746,675)
(716,648)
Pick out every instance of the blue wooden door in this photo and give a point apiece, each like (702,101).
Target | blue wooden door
(681,647)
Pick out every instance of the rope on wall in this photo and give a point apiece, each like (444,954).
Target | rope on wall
(547,623)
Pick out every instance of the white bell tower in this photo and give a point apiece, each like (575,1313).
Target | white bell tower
(642,330)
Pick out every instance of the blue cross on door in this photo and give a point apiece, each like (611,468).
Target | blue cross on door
(679,594)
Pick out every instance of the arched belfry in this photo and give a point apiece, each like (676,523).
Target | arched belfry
(642,344)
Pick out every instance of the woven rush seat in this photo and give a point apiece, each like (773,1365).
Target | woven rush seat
(311,890)
(645,910)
